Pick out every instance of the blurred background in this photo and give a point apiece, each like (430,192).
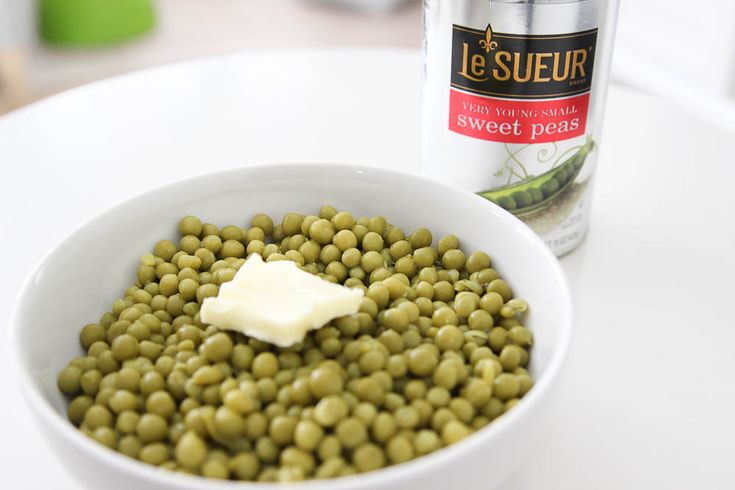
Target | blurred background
(679,50)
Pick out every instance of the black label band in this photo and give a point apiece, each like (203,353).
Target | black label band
(522,66)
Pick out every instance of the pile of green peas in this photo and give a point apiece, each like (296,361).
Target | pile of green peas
(437,351)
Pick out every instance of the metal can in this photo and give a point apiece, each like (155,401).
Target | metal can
(514,94)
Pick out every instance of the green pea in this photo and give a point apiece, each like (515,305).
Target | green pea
(399,450)
(256,425)
(510,357)
(308,435)
(262,221)
(421,361)
(428,275)
(264,365)
(213,243)
(329,447)
(151,428)
(69,380)
(406,417)
(365,412)
(379,275)
(372,361)
(562,176)
(217,348)
(124,347)
(213,468)
(295,457)
(443,291)
(344,240)
(330,410)
(480,320)
(123,400)
(127,422)
(165,249)
(525,381)
(267,389)
(190,261)
(321,231)
(426,441)
(377,224)
(368,457)
(522,198)
(506,386)
(343,221)
(330,468)
(240,401)
(255,234)
(228,423)
(520,336)
(448,242)
(501,287)
(98,348)
(400,249)
(155,453)
(337,270)
(372,241)
(129,445)
(359,231)
(477,261)
(90,334)
(351,432)
(492,302)
(465,304)
(160,403)
(330,253)
(506,202)
(188,245)
(449,338)
(536,194)
(477,392)
(232,248)
(454,431)
(444,316)
(327,211)
(445,375)
(396,319)
(188,289)
(244,466)
(421,237)
(191,450)
(453,259)
(242,356)
(424,256)
(78,407)
(281,429)
(325,381)
(371,261)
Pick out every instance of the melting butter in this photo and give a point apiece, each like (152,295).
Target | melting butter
(277,302)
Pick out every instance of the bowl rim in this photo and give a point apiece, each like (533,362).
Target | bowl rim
(56,422)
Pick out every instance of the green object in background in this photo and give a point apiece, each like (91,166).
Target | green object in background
(94,22)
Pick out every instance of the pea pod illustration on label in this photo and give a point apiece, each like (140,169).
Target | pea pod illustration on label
(536,192)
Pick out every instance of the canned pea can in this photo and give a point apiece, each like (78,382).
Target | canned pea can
(513,102)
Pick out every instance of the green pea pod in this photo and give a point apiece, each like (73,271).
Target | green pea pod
(523,197)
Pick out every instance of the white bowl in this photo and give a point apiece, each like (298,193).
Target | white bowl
(78,280)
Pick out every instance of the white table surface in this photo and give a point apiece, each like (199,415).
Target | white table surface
(649,397)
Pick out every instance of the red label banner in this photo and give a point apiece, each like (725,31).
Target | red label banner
(518,121)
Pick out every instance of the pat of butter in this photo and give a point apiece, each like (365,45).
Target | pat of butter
(277,302)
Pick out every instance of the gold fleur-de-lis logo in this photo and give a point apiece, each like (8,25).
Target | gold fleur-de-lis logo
(488,44)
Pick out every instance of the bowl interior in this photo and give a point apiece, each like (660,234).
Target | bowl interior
(79,279)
